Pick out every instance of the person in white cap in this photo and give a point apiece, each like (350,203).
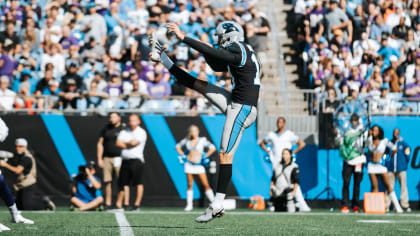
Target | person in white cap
(5,192)
(23,165)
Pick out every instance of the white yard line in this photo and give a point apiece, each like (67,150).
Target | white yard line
(125,228)
(389,221)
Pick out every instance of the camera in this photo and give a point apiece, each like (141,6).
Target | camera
(81,175)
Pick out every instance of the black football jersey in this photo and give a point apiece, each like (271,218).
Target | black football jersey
(245,76)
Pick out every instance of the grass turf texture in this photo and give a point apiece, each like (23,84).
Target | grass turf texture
(241,222)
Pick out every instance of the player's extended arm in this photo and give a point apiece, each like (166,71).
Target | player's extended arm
(216,65)
(216,54)
(231,57)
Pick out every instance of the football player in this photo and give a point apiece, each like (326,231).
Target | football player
(239,106)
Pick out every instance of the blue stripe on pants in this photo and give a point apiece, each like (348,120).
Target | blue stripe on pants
(238,124)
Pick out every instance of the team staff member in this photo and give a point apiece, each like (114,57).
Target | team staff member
(196,149)
(377,146)
(132,141)
(280,140)
(397,168)
(239,106)
(109,155)
(351,150)
(23,165)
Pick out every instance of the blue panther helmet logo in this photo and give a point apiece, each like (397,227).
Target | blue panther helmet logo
(229,27)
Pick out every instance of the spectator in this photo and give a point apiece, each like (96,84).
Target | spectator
(132,141)
(397,166)
(23,166)
(71,74)
(94,26)
(332,103)
(279,141)
(351,150)
(52,56)
(377,145)
(7,63)
(138,18)
(114,91)
(67,39)
(9,39)
(70,95)
(261,27)
(401,30)
(336,19)
(86,189)
(93,50)
(50,97)
(379,28)
(157,87)
(285,182)
(44,82)
(95,96)
(7,96)
(109,155)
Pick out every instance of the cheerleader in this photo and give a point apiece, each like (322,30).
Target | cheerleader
(377,146)
(192,150)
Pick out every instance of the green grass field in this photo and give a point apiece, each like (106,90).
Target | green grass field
(240,222)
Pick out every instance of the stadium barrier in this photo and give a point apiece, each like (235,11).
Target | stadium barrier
(61,143)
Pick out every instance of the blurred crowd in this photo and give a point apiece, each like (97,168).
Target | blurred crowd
(361,50)
(82,54)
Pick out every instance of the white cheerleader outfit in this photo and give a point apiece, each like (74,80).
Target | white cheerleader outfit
(202,145)
(379,167)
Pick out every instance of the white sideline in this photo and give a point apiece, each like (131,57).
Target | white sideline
(125,228)
(180,212)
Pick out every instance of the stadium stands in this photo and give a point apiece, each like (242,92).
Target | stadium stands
(366,47)
(93,55)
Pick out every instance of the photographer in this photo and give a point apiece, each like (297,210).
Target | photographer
(285,182)
(86,189)
(23,165)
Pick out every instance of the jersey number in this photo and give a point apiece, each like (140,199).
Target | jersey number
(257,79)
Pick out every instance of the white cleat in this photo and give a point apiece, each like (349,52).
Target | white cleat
(210,214)
(155,48)
(20,219)
(188,208)
(4,228)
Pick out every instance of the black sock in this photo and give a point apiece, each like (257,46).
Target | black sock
(187,80)
(225,173)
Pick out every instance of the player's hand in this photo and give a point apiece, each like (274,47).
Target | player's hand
(174,28)
(2,163)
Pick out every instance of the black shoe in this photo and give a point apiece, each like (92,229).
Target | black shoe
(135,208)
(107,208)
(49,205)
(100,208)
